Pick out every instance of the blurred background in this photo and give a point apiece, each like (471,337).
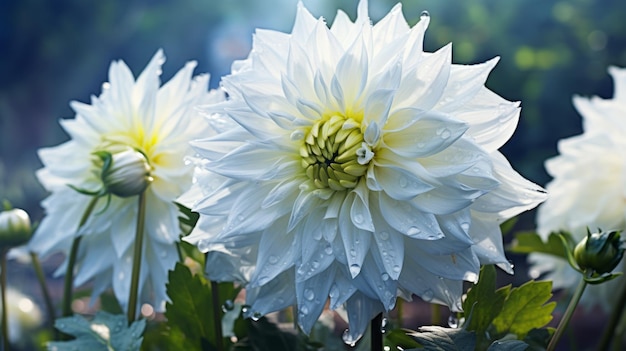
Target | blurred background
(56,51)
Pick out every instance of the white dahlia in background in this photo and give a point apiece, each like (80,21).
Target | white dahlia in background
(129,115)
(588,188)
(360,169)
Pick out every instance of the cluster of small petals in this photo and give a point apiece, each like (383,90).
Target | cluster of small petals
(587,187)
(153,121)
(357,168)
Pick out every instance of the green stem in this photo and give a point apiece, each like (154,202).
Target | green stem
(44,288)
(5,306)
(568,315)
(69,273)
(607,335)
(134,282)
(217,320)
(399,314)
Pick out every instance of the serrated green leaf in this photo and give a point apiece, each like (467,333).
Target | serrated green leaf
(435,338)
(398,339)
(106,332)
(525,308)
(483,303)
(538,339)
(529,242)
(508,345)
(190,309)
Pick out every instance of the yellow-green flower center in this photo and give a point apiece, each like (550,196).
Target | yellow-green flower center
(334,154)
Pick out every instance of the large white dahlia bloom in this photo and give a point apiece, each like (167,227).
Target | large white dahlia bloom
(587,189)
(138,114)
(359,169)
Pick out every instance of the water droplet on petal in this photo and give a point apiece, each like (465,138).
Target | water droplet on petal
(428,295)
(396,268)
(465,226)
(353,253)
(424,14)
(358,218)
(273,259)
(334,291)
(413,231)
(384,277)
(245,308)
(445,134)
(328,249)
(403,182)
(348,339)
(256,316)
(315,264)
(355,269)
(453,322)
(304,310)
(384,235)
(309,294)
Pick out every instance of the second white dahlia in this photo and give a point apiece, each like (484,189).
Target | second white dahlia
(147,128)
(359,169)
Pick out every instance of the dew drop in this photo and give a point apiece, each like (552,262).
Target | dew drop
(348,339)
(353,253)
(428,295)
(245,308)
(228,306)
(453,322)
(384,235)
(403,182)
(445,134)
(297,135)
(358,218)
(315,264)
(328,249)
(413,231)
(384,277)
(465,226)
(355,269)
(256,316)
(273,259)
(309,294)
(304,310)
(396,268)
(424,14)
(334,291)
(384,323)
(106,86)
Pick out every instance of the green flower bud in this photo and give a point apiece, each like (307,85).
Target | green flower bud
(600,252)
(15,228)
(125,173)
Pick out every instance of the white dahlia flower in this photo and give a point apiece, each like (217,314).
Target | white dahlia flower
(131,115)
(359,169)
(587,189)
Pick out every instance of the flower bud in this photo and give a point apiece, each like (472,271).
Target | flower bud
(15,228)
(600,252)
(125,173)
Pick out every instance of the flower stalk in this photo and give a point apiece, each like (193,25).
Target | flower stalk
(134,282)
(616,316)
(217,318)
(5,307)
(69,273)
(376,333)
(571,307)
(44,288)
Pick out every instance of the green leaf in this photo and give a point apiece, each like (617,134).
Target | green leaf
(106,332)
(483,303)
(435,338)
(190,311)
(400,339)
(525,308)
(538,339)
(529,242)
(263,335)
(508,345)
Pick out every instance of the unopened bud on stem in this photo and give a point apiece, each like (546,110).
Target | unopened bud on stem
(125,173)
(600,252)
(15,228)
